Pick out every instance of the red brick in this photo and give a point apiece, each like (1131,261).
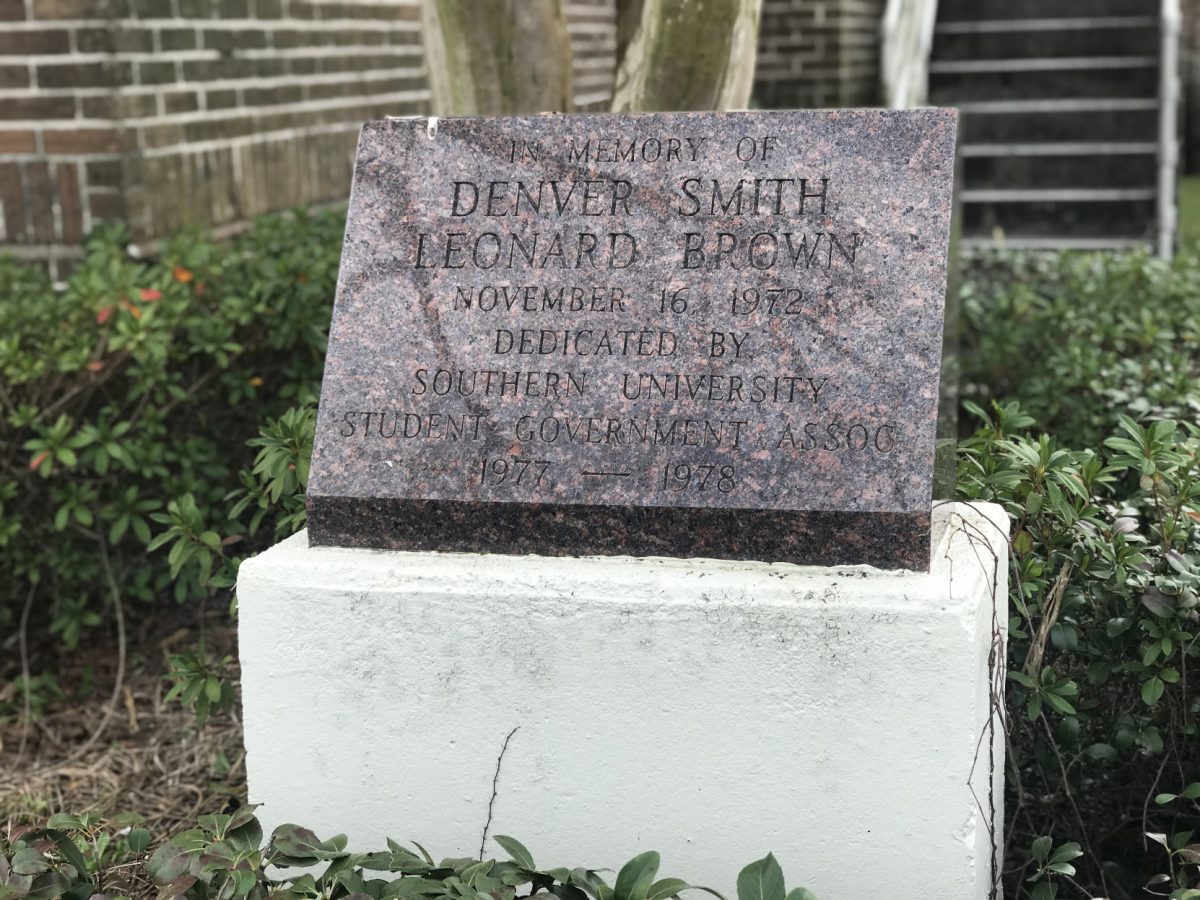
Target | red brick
(39,200)
(156,72)
(70,203)
(107,207)
(17,142)
(12,10)
(14,76)
(103,173)
(138,106)
(178,39)
(37,108)
(50,41)
(84,140)
(97,74)
(181,102)
(67,9)
(161,135)
(12,201)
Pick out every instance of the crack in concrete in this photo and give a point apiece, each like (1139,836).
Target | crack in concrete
(495,785)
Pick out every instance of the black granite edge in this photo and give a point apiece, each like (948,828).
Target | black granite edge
(884,540)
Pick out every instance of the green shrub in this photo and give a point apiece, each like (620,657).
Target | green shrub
(1080,338)
(127,400)
(1090,366)
(1105,587)
(224,857)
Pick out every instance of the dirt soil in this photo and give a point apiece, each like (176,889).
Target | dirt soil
(138,755)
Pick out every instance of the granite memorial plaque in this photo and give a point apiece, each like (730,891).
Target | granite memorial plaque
(703,334)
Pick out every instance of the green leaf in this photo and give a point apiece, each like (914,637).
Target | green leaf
(28,861)
(1060,868)
(138,840)
(52,885)
(761,880)
(301,843)
(66,847)
(1022,679)
(1152,690)
(666,887)
(158,541)
(801,894)
(1040,848)
(516,851)
(1060,705)
(1066,853)
(172,861)
(142,530)
(244,881)
(636,876)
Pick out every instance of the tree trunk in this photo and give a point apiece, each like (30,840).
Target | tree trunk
(497,57)
(685,54)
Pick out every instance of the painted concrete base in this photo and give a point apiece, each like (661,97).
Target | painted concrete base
(712,711)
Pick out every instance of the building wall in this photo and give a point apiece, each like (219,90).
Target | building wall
(168,112)
(163,113)
(59,146)
(818,53)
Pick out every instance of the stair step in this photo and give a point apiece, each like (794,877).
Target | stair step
(1126,37)
(1109,220)
(1070,121)
(1001,26)
(1058,173)
(985,10)
(1043,64)
(977,244)
(1060,105)
(1055,195)
(975,82)
(1050,148)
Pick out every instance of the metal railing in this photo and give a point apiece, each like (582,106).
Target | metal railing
(1168,127)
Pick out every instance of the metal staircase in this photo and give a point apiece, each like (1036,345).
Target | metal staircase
(1068,134)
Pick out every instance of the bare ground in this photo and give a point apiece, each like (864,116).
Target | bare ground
(135,756)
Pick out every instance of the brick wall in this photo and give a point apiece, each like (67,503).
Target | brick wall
(162,113)
(818,53)
(166,112)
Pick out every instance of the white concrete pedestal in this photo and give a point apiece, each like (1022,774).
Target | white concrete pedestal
(712,711)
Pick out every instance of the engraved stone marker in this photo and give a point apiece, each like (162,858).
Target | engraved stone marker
(713,335)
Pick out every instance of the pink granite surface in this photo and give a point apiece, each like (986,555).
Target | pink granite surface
(688,334)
